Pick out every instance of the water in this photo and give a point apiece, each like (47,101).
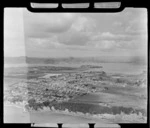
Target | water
(125,68)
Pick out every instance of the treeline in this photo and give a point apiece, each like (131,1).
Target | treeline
(85,108)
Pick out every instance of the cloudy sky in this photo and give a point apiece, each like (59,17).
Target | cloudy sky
(75,34)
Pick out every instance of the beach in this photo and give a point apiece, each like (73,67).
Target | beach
(15,114)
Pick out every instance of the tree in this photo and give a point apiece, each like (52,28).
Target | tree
(32,102)
(46,103)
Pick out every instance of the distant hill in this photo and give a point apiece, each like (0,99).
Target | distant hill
(74,60)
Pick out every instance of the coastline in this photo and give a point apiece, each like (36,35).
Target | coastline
(62,115)
(56,116)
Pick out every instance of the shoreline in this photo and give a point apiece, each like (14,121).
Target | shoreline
(135,72)
(55,116)
(104,118)
(15,105)
(67,113)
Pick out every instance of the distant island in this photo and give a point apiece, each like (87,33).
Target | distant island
(76,60)
(90,66)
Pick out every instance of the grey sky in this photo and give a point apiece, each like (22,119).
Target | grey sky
(75,34)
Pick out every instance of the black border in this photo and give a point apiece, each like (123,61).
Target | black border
(26,3)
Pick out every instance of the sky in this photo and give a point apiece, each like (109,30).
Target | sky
(75,34)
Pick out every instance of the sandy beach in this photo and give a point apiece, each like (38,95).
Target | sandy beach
(16,114)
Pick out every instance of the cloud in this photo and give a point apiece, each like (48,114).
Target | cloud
(79,33)
(73,38)
(117,23)
(107,35)
(110,41)
(137,27)
(87,32)
(43,24)
(83,24)
(70,28)
(44,43)
(105,44)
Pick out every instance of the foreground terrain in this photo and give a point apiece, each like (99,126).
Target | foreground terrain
(84,91)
